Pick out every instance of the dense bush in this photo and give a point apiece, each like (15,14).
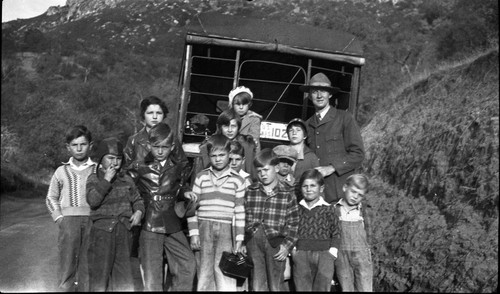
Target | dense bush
(435,151)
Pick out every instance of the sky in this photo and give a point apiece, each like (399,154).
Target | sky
(14,9)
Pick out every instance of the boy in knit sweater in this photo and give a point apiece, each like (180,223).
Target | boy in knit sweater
(220,191)
(271,223)
(316,249)
(67,204)
(116,206)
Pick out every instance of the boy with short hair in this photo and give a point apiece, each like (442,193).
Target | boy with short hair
(287,157)
(67,204)
(229,124)
(271,223)
(237,160)
(306,158)
(318,236)
(220,191)
(116,206)
(354,263)
(160,180)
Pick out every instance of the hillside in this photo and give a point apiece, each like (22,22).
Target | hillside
(433,155)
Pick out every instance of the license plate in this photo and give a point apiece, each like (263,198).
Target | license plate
(271,130)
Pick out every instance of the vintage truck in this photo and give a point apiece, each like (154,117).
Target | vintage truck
(271,58)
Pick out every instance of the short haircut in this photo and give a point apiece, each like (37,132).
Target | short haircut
(242,98)
(218,141)
(312,174)
(293,124)
(159,133)
(237,148)
(359,181)
(76,132)
(225,118)
(153,100)
(265,157)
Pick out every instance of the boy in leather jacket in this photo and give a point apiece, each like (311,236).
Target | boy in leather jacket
(159,180)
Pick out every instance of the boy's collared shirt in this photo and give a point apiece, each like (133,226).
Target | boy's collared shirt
(349,215)
(320,202)
(246,177)
(274,211)
(80,167)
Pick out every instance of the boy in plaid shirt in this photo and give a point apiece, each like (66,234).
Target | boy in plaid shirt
(271,217)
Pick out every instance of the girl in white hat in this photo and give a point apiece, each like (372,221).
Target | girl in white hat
(240,99)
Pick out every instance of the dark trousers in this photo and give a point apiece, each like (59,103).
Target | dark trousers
(180,260)
(110,268)
(73,243)
(313,270)
(267,273)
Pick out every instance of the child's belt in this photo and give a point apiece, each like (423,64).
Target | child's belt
(163,197)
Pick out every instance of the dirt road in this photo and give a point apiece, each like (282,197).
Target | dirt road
(28,246)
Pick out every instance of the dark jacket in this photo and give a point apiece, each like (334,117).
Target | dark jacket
(136,149)
(112,202)
(160,187)
(310,161)
(337,141)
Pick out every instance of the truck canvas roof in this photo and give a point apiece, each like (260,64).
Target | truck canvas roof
(242,32)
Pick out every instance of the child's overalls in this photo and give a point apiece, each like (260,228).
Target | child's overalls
(353,266)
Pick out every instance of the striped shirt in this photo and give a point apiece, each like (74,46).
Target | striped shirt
(276,211)
(220,198)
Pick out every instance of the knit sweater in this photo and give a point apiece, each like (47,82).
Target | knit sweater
(220,198)
(66,195)
(318,228)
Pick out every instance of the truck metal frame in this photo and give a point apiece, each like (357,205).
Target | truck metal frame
(272,59)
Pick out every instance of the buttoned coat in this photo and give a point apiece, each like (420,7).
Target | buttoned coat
(336,140)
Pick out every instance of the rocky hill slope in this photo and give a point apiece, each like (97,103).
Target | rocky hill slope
(433,154)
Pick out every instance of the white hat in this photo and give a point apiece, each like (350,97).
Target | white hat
(236,91)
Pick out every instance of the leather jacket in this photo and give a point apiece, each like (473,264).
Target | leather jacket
(160,187)
(136,149)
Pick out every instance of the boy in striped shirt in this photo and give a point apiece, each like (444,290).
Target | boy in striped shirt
(220,190)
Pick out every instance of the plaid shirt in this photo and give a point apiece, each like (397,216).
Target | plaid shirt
(277,212)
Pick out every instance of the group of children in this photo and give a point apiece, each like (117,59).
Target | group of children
(267,204)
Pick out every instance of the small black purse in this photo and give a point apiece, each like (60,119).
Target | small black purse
(235,265)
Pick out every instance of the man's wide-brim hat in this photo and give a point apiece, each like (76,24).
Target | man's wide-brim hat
(185,208)
(321,82)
